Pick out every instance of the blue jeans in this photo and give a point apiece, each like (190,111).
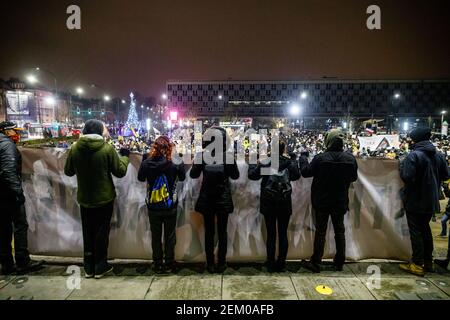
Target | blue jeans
(444,220)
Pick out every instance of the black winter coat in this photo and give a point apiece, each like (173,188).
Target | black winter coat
(333,171)
(422,172)
(152,168)
(267,206)
(215,193)
(10,173)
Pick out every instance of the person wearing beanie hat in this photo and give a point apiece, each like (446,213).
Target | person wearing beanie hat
(422,172)
(333,171)
(93,126)
(93,161)
(420,134)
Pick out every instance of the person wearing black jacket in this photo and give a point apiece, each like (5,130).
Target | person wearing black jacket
(333,171)
(276,212)
(422,171)
(157,164)
(13,218)
(215,200)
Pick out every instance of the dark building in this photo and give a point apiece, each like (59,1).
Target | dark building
(326,98)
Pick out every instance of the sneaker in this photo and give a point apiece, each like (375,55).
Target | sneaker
(221,268)
(443,263)
(108,269)
(210,269)
(31,266)
(171,267)
(412,268)
(158,268)
(338,267)
(311,266)
(88,275)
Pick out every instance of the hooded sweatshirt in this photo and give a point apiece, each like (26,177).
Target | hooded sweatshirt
(93,161)
(422,172)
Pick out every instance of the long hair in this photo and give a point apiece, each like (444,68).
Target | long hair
(162,147)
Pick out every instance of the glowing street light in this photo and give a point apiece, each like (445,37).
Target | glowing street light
(397,95)
(304,95)
(80,90)
(50,101)
(106,98)
(405,126)
(123,101)
(220,97)
(164,96)
(294,109)
(31,78)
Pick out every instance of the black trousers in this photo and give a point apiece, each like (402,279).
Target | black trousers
(337,218)
(222,223)
(283,244)
(13,221)
(163,221)
(421,237)
(96,224)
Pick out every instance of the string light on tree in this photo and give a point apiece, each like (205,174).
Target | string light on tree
(132,120)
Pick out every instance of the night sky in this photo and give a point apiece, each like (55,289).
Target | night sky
(139,44)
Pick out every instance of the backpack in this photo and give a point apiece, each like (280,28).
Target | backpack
(278,187)
(158,195)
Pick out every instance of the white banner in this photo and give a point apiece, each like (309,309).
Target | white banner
(377,142)
(374,228)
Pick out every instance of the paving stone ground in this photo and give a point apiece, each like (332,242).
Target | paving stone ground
(136,280)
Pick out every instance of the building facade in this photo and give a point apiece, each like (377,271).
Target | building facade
(316,99)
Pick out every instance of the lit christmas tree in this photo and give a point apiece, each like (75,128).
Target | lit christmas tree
(133,120)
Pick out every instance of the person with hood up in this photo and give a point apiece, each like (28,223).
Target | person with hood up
(333,171)
(93,161)
(215,201)
(422,171)
(13,217)
(161,175)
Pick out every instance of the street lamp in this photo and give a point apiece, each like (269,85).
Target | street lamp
(442,116)
(164,96)
(397,95)
(220,97)
(304,95)
(31,78)
(294,109)
(123,101)
(80,90)
(106,98)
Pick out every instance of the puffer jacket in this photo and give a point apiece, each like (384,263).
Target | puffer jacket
(422,171)
(215,192)
(10,172)
(266,205)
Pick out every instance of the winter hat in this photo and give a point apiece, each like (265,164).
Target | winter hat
(334,138)
(420,134)
(93,126)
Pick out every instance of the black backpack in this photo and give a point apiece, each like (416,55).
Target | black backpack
(278,187)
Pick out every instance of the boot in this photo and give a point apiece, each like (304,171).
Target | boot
(443,263)
(413,269)
(31,266)
(311,266)
(429,267)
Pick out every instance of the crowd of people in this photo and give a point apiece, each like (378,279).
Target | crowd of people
(329,158)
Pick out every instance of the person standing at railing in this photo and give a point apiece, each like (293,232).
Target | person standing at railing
(422,171)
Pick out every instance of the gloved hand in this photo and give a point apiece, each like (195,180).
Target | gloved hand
(20,199)
(124,152)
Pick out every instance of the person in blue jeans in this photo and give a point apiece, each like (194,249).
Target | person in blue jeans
(444,220)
